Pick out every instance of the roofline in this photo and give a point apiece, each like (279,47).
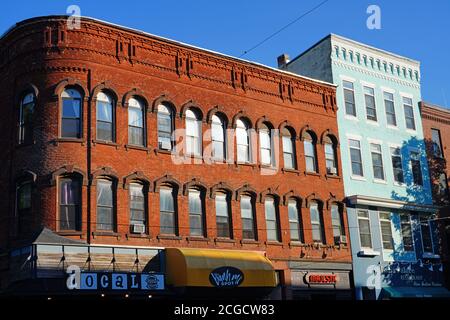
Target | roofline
(179,43)
(435,107)
(336,36)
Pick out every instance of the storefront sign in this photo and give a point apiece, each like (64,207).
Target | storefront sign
(115,281)
(318,278)
(226,277)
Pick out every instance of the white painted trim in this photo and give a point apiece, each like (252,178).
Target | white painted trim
(367,84)
(347,78)
(406,95)
(387,89)
(375,180)
(375,141)
(390,126)
(372,123)
(353,136)
(350,117)
(359,178)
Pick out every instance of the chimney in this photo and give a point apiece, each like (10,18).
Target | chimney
(283,60)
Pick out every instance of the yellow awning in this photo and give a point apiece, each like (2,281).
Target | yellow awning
(188,267)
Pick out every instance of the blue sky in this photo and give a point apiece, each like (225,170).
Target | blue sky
(416,29)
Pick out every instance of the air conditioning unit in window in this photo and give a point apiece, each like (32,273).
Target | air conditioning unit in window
(343,239)
(138,228)
(332,170)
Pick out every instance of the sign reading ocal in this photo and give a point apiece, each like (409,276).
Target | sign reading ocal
(318,278)
(226,277)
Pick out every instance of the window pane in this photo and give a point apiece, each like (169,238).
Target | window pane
(135,117)
(166,199)
(71,108)
(426,235)
(136,136)
(104,111)
(24,197)
(105,218)
(104,131)
(70,128)
(104,193)
(69,193)
(168,222)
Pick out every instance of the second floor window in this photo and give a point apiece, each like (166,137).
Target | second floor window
(377,161)
(69,204)
(248,221)
(330,156)
(390,108)
(406,232)
(23,203)
(427,239)
(386,231)
(165,127)
(137,208)
(105,117)
(409,113)
(349,98)
(316,223)
(337,224)
(136,122)
(265,145)
(218,137)
(365,236)
(416,168)
(294,221)
(105,205)
(222,215)
(167,211)
(436,143)
(193,133)
(27,105)
(71,114)
(271,219)
(196,219)
(355,157)
(397,165)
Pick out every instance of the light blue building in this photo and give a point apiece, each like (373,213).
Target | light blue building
(395,246)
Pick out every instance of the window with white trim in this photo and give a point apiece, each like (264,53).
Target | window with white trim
(409,113)
(337,224)
(309,144)
(365,235)
(390,108)
(355,157)
(316,222)
(105,205)
(165,127)
(272,223)
(137,205)
(218,137)
(397,165)
(377,161)
(265,145)
(369,98)
(406,232)
(196,216)
(248,218)
(136,122)
(223,215)
(71,113)
(330,156)
(288,149)
(416,168)
(296,230)
(349,98)
(193,133)
(425,228)
(167,211)
(243,141)
(386,230)
(105,117)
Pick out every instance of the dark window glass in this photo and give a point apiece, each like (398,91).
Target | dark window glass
(222,215)
(26,111)
(437,143)
(167,209)
(397,164)
(369,97)
(390,108)
(105,117)
(69,204)
(137,207)
(427,241)
(136,123)
(105,206)
(416,169)
(71,114)
(405,221)
(247,215)
(165,127)
(196,218)
(349,98)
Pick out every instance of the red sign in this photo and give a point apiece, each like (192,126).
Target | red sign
(322,278)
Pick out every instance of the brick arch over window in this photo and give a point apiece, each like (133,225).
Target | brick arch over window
(333,200)
(71,82)
(221,186)
(137,176)
(313,197)
(263,120)
(103,172)
(167,180)
(245,189)
(292,195)
(164,99)
(269,192)
(220,112)
(68,170)
(244,116)
(136,93)
(107,88)
(329,133)
(193,106)
(286,124)
(310,131)
(26,89)
(194,183)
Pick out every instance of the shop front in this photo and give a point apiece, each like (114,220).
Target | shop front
(320,281)
(212,273)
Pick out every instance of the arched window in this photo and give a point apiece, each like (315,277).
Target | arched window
(243,141)
(218,137)
(316,222)
(168,210)
(288,149)
(193,133)
(69,204)
(309,143)
(136,122)
(330,155)
(138,208)
(106,205)
(265,144)
(23,203)
(196,213)
(295,224)
(222,202)
(272,221)
(71,113)
(105,117)
(337,224)
(27,105)
(165,127)
(248,218)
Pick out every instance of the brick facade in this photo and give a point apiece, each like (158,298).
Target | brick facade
(43,56)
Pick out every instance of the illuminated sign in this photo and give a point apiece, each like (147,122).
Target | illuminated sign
(318,278)
(226,277)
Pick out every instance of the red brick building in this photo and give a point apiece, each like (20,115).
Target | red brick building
(436,130)
(88,116)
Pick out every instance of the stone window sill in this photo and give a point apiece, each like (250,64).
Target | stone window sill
(138,236)
(199,239)
(315,174)
(273,243)
(134,147)
(224,240)
(105,234)
(249,241)
(69,140)
(168,237)
(332,176)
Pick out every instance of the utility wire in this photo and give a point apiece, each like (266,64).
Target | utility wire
(283,28)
